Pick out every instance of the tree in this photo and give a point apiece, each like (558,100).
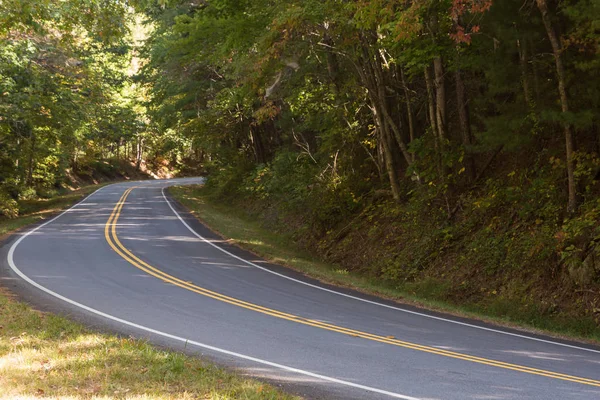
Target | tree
(564,101)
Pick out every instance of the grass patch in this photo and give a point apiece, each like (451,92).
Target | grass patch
(44,355)
(248,232)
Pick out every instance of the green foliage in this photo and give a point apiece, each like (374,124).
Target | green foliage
(28,194)
(225,180)
(66,98)
(9,207)
(293,183)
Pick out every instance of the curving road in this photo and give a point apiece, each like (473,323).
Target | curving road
(130,260)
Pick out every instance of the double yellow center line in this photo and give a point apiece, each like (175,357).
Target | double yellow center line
(110,233)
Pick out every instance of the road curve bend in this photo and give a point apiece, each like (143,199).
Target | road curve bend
(129,259)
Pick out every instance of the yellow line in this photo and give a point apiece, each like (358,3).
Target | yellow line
(110,233)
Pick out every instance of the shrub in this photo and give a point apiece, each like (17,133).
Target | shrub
(8,206)
(227,180)
(27,193)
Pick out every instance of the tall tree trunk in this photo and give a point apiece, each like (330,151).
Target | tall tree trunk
(371,75)
(465,124)
(18,153)
(388,155)
(139,152)
(397,134)
(384,107)
(564,101)
(440,94)
(523,59)
(102,150)
(409,112)
(374,81)
(433,120)
(431,103)
(385,139)
(380,159)
(31,160)
(333,66)
(597,137)
(257,145)
(75,159)
(534,71)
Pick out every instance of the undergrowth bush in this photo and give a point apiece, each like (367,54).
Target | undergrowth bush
(225,181)
(293,184)
(510,228)
(27,193)
(9,208)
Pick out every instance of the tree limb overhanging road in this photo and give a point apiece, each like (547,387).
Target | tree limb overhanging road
(129,259)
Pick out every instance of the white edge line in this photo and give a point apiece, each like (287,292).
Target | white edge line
(13,266)
(370,301)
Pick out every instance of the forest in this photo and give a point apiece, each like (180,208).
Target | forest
(447,147)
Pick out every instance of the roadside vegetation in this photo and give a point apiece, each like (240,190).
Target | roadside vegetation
(71,113)
(279,241)
(23,210)
(31,211)
(47,356)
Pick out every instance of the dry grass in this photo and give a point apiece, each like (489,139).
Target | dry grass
(47,356)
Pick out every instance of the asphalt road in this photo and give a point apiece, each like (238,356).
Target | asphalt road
(130,260)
